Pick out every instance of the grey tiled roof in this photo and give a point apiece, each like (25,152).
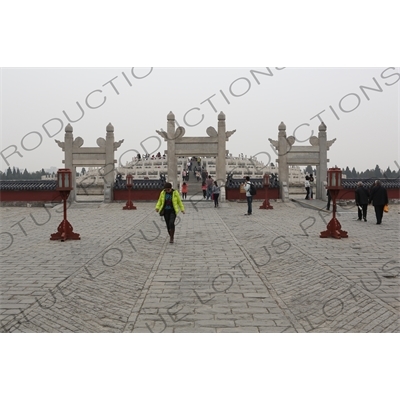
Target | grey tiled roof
(28,185)
(144,184)
(140,184)
(258,183)
(351,183)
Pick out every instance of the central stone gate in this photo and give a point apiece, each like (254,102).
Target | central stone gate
(212,146)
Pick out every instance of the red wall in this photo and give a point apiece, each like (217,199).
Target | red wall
(234,194)
(151,194)
(47,196)
(349,194)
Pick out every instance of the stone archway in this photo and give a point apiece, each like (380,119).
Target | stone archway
(316,154)
(212,146)
(101,156)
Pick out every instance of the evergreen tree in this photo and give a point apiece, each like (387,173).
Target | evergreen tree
(387,174)
(26,174)
(377,172)
(309,170)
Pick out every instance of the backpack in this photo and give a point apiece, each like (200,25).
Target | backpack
(252,190)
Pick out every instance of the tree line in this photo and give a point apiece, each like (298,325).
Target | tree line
(377,173)
(15,174)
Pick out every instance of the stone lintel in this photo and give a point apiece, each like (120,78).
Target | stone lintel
(196,140)
(88,156)
(196,152)
(294,159)
(89,150)
(84,163)
(303,149)
(197,147)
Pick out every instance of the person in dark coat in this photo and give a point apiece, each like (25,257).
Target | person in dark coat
(379,198)
(362,198)
(307,187)
(328,194)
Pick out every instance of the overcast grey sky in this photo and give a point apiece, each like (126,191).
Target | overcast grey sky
(136,101)
(42,33)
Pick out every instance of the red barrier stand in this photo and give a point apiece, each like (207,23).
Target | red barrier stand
(334,185)
(64,186)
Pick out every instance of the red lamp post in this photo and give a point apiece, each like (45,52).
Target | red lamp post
(64,186)
(266,205)
(129,183)
(334,185)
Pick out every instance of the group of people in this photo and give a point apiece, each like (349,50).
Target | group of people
(186,174)
(309,186)
(193,162)
(170,204)
(210,189)
(377,196)
(147,157)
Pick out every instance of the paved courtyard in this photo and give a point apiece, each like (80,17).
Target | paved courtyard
(226,272)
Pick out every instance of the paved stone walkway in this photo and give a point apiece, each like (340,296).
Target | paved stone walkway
(269,272)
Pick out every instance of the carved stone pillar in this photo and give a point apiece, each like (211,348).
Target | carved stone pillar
(220,162)
(322,169)
(68,162)
(109,167)
(283,168)
(172,160)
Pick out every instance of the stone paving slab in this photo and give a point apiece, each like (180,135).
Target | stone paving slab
(226,273)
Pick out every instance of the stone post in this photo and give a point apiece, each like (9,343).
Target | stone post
(322,171)
(109,167)
(283,170)
(172,161)
(69,139)
(221,162)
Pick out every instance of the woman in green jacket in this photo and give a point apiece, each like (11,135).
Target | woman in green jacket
(169,204)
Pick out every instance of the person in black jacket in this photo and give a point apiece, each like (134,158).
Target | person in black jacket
(379,198)
(362,198)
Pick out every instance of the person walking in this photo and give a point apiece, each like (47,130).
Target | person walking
(362,197)
(379,198)
(204,174)
(168,205)
(204,189)
(184,190)
(311,186)
(209,183)
(328,194)
(307,187)
(216,190)
(249,197)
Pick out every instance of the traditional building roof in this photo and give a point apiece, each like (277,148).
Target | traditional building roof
(28,185)
(138,184)
(351,183)
(146,184)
